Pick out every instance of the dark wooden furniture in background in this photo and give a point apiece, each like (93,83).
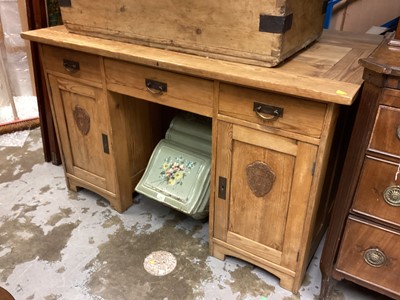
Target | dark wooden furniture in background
(5,295)
(363,239)
(37,18)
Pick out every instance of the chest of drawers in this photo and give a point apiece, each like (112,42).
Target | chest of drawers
(364,234)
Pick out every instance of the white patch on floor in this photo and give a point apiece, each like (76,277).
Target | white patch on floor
(14,139)
(159,263)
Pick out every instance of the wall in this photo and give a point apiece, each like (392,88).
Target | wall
(360,15)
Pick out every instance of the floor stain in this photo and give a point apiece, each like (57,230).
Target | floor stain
(122,257)
(307,280)
(293,297)
(53,297)
(16,165)
(45,189)
(21,234)
(102,203)
(247,283)
(64,213)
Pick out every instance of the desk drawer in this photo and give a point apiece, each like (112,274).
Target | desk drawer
(298,115)
(378,195)
(76,64)
(386,133)
(370,253)
(164,87)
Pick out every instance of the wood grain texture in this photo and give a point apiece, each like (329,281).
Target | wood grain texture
(376,176)
(359,237)
(219,29)
(299,116)
(184,92)
(385,137)
(300,82)
(362,221)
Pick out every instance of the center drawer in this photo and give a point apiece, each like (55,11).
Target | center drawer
(168,88)
(272,110)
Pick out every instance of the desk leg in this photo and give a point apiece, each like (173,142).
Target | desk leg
(327,284)
(120,152)
(136,128)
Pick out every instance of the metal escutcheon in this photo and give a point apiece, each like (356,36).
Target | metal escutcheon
(374,257)
(392,195)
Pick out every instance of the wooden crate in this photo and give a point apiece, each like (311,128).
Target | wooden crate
(263,32)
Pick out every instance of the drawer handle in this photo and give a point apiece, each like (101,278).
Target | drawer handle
(71,66)
(398,132)
(392,195)
(263,109)
(156,87)
(374,257)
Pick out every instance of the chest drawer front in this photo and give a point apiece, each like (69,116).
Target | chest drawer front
(164,87)
(371,253)
(297,115)
(378,194)
(386,133)
(73,63)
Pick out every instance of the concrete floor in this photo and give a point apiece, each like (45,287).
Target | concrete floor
(57,244)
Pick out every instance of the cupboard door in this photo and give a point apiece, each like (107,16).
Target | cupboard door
(83,132)
(262,206)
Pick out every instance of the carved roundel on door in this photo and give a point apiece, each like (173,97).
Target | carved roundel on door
(82,120)
(260,178)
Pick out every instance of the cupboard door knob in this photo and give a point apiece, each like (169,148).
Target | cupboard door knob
(71,66)
(392,195)
(374,257)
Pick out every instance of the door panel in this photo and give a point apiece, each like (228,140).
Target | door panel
(82,129)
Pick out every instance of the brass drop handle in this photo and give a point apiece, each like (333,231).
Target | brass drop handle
(392,195)
(374,257)
(71,66)
(267,112)
(274,117)
(156,87)
(398,132)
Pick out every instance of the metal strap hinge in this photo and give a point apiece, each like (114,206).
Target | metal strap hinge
(275,24)
(65,3)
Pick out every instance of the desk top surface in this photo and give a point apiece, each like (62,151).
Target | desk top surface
(328,70)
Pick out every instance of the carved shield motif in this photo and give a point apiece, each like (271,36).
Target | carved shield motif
(260,178)
(82,120)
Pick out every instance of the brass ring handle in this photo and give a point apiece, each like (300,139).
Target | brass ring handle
(392,195)
(398,132)
(374,257)
(273,117)
(154,91)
